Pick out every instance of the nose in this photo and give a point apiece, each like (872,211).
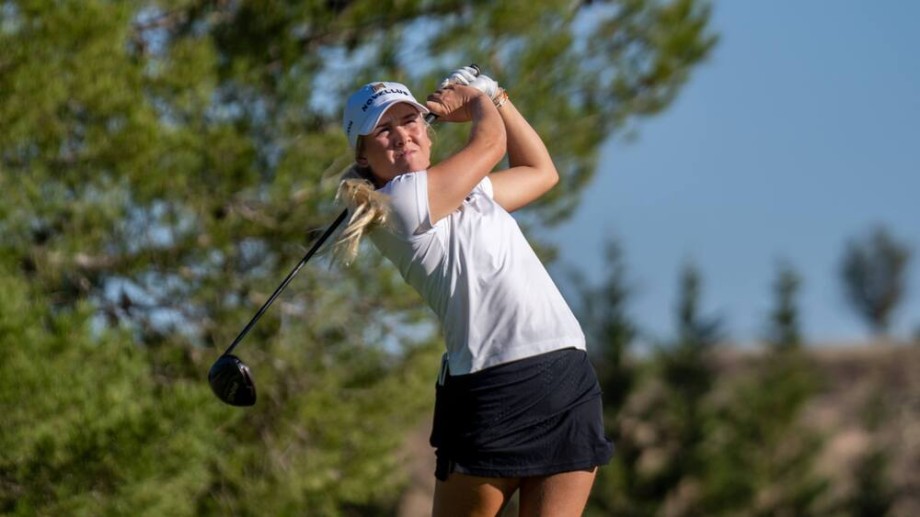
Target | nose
(401,135)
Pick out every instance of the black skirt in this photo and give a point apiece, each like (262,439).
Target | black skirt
(533,417)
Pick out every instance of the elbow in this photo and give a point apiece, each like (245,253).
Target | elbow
(499,144)
(550,177)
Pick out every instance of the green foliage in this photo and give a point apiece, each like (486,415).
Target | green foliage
(873,271)
(763,453)
(874,494)
(95,424)
(161,163)
(784,328)
(87,429)
(687,373)
(610,332)
(661,429)
(696,434)
(609,329)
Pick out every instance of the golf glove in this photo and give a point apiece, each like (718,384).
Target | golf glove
(467,76)
(464,75)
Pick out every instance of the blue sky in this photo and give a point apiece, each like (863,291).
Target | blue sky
(799,133)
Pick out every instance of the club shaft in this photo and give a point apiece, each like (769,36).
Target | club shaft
(319,242)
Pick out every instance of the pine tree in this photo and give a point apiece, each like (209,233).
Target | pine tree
(873,271)
(661,427)
(611,332)
(687,371)
(873,494)
(610,329)
(784,331)
(87,429)
(761,453)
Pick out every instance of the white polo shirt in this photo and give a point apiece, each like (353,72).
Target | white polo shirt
(495,300)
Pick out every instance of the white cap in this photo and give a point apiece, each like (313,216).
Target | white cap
(367,105)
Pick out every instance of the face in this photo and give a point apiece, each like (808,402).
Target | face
(399,144)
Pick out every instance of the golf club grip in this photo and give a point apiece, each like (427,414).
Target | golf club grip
(319,242)
(431,117)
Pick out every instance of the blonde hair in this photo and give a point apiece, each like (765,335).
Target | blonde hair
(367,210)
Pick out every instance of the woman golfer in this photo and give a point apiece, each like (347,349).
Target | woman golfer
(518,406)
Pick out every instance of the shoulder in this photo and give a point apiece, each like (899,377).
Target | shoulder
(486,187)
(408,194)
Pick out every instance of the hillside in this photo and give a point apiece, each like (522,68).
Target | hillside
(861,384)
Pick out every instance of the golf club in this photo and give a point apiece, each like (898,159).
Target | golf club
(230,379)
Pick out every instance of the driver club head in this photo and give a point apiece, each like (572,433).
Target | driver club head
(231,381)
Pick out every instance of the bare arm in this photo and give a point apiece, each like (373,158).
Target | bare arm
(531,171)
(450,181)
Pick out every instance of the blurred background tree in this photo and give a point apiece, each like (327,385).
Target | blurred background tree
(701,429)
(604,316)
(687,370)
(873,270)
(161,165)
(761,453)
(659,423)
(611,335)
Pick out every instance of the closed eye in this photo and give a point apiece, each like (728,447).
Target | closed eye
(410,120)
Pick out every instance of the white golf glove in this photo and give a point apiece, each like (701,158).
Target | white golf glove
(463,75)
(467,76)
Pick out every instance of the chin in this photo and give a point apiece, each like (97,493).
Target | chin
(420,164)
(412,166)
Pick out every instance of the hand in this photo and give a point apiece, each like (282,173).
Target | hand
(454,102)
(471,77)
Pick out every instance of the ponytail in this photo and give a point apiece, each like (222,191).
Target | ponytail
(367,209)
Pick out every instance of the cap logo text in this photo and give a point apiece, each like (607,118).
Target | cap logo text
(382,91)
